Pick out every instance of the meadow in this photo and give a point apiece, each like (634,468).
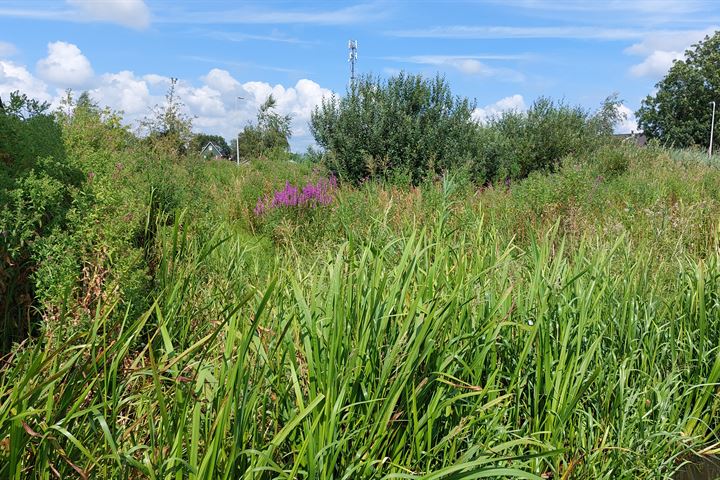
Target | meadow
(196,319)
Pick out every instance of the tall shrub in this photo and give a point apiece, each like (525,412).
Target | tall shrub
(37,185)
(406,125)
(514,144)
(271,133)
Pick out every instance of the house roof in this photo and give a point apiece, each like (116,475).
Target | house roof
(211,148)
(638,138)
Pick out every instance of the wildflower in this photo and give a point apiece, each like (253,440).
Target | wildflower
(311,195)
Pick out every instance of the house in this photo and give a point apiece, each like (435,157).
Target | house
(638,139)
(211,151)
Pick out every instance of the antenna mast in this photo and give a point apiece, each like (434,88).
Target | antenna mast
(352,58)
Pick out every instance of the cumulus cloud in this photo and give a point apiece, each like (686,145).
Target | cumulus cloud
(512,103)
(129,13)
(124,91)
(221,80)
(213,103)
(16,77)
(656,64)
(661,48)
(628,122)
(65,66)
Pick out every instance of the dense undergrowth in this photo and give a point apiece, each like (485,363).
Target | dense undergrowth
(562,325)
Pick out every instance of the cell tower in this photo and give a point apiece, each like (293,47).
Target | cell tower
(352,58)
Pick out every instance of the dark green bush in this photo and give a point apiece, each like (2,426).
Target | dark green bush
(406,125)
(37,188)
(515,144)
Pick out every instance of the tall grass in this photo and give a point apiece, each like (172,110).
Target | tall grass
(443,353)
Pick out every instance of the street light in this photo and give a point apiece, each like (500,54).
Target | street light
(237,137)
(712,128)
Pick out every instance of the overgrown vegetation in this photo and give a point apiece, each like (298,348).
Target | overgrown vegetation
(411,129)
(564,325)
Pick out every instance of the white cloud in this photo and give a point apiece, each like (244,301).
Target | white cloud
(124,91)
(203,101)
(298,101)
(486,32)
(656,64)
(350,15)
(628,122)
(213,104)
(275,36)
(469,65)
(637,13)
(7,49)
(129,13)
(221,80)
(16,77)
(665,40)
(65,66)
(155,80)
(675,7)
(512,103)
(660,49)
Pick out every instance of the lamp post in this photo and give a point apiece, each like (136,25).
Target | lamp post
(712,128)
(237,137)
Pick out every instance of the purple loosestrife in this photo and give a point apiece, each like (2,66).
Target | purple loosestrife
(312,195)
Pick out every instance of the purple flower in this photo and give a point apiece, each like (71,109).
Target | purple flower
(312,195)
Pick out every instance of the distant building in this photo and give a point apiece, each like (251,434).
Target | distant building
(212,151)
(638,139)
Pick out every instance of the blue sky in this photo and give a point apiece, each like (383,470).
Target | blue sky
(503,53)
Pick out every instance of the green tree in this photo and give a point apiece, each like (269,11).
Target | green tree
(271,132)
(514,143)
(407,125)
(679,113)
(88,128)
(169,128)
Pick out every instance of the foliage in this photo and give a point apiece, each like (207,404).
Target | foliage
(565,325)
(406,124)
(409,129)
(679,113)
(37,187)
(88,129)
(517,143)
(168,127)
(270,133)
(530,357)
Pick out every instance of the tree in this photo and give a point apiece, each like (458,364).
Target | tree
(200,140)
(88,128)
(169,127)
(679,113)
(408,126)
(271,132)
(514,144)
